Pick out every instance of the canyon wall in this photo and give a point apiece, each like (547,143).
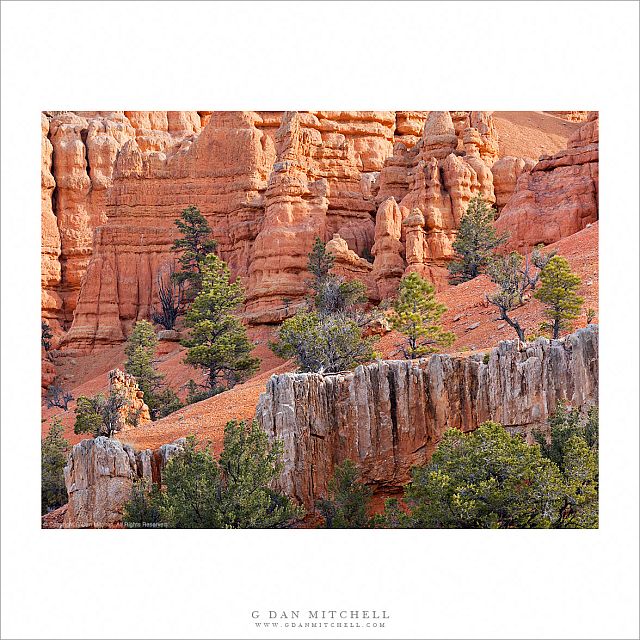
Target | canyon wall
(268,182)
(558,196)
(79,154)
(390,415)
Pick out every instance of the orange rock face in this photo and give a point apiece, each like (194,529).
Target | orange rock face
(50,249)
(506,173)
(558,197)
(432,183)
(391,186)
(83,148)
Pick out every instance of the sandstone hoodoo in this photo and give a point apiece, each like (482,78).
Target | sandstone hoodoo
(248,244)
(389,416)
(268,183)
(134,413)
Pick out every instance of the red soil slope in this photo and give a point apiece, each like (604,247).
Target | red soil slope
(466,307)
(531,134)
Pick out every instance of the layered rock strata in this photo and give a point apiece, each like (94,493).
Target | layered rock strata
(390,415)
(113,184)
(80,150)
(558,197)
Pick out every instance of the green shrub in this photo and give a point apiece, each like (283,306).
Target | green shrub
(54,450)
(346,506)
(485,479)
(233,491)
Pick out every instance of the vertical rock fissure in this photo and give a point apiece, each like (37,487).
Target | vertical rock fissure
(393,404)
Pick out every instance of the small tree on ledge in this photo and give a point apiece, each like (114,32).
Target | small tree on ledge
(558,294)
(514,276)
(99,415)
(417,315)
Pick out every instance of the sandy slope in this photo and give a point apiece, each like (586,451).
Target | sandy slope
(466,306)
(532,134)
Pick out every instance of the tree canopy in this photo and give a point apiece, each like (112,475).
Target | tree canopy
(475,242)
(417,315)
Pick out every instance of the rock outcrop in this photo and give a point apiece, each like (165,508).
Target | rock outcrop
(99,477)
(432,182)
(114,182)
(506,173)
(558,197)
(135,413)
(348,263)
(390,415)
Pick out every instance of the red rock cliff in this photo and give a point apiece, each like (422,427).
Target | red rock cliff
(392,185)
(390,415)
(558,197)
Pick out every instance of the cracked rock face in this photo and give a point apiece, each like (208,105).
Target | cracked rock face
(390,415)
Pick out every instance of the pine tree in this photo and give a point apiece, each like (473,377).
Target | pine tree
(195,245)
(140,351)
(233,491)
(572,444)
(558,294)
(417,315)
(218,342)
(476,240)
(320,261)
(53,459)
